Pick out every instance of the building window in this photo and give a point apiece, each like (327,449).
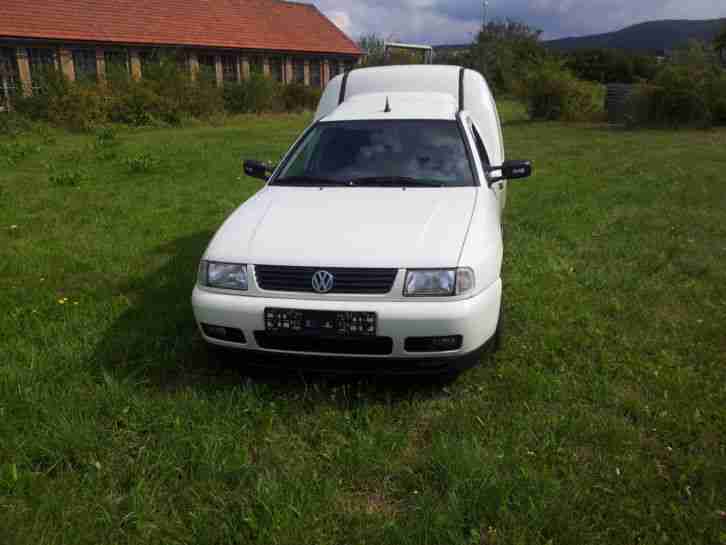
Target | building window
(277,69)
(334,68)
(84,64)
(298,71)
(256,65)
(9,76)
(229,68)
(117,64)
(42,65)
(315,73)
(207,67)
(149,59)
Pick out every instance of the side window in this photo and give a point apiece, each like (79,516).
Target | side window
(300,165)
(483,155)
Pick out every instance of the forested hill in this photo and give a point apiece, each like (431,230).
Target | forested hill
(652,36)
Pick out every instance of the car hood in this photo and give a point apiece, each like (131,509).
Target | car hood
(348,227)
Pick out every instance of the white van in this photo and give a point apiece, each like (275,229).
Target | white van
(377,239)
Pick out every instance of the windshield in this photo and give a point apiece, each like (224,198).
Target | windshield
(385,153)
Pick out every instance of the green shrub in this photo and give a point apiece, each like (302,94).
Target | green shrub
(165,95)
(256,94)
(13,124)
(14,152)
(297,97)
(141,163)
(690,91)
(551,92)
(71,177)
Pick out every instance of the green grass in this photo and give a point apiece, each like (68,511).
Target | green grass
(602,419)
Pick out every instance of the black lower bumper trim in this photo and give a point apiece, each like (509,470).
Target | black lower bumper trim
(336,365)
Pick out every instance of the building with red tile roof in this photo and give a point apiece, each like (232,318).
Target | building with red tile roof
(289,41)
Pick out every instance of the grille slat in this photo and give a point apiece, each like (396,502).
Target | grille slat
(299,279)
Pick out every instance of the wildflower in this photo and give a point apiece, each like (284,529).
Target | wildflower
(13,227)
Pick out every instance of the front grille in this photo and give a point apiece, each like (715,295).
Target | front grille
(300,279)
(364,346)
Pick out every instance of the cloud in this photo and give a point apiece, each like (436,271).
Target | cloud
(457,21)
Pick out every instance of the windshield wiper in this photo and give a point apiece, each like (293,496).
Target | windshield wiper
(394,181)
(308,181)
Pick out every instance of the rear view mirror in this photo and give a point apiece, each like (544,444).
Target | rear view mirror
(511,170)
(257,169)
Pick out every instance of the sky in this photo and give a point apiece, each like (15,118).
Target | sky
(456,21)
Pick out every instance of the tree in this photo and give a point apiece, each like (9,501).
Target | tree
(503,49)
(720,44)
(374,47)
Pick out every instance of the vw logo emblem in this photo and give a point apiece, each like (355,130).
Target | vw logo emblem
(323,281)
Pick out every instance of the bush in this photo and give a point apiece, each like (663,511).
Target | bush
(551,92)
(690,91)
(67,177)
(296,97)
(256,94)
(141,163)
(166,95)
(13,124)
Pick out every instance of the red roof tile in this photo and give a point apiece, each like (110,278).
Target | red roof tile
(238,24)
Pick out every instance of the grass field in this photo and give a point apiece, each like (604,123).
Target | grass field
(602,419)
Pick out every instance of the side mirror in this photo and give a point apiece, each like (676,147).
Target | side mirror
(257,169)
(511,170)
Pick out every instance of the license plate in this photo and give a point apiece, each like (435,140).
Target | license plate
(320,322)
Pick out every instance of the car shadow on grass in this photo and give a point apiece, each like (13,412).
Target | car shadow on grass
(155,343)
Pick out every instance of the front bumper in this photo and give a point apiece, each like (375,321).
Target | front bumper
(475,319)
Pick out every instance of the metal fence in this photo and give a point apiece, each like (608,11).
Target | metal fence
(616,102)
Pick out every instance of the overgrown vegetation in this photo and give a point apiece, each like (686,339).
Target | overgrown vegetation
(551,92)
(166,95)
(601,420)
(688,91)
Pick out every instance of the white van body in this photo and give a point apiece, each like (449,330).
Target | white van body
(400,274)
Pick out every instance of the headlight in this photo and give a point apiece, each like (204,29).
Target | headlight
(437,283)
(228,276)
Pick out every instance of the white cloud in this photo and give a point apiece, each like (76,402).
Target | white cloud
(457,21)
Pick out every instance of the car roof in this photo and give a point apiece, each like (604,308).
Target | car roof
(400,106)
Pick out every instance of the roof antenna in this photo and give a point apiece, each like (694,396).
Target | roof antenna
(388,107)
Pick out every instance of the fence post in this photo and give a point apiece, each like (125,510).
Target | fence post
(238,63)
(21,57)
(266,66)
(307,72)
